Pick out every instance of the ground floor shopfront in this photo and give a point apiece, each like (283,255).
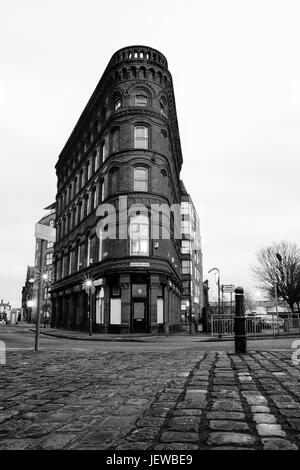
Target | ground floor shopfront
(124,303)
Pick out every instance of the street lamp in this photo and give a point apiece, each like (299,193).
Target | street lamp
(89,288)
(219,294)
(45,279)
(279,257)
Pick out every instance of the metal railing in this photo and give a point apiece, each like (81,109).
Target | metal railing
(257,325)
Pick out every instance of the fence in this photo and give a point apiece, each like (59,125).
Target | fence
(257,325)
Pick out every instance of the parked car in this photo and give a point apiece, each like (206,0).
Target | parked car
(270,321)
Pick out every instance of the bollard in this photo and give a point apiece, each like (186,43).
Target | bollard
(240,337)
(166,329)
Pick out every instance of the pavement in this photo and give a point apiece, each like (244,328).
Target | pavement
(166,398)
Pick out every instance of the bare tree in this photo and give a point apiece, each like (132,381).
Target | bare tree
(249,302)
(280,264)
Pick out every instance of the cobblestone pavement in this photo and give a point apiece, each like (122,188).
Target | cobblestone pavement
(181,400)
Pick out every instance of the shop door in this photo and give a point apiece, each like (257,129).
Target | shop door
(139,316)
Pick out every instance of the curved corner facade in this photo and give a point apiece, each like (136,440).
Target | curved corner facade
(118,174)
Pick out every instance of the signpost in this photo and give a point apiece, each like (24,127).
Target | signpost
(228,289)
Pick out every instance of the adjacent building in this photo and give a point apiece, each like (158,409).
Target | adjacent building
(5,311)
(191,261)
(118,175)
(36,294)
(27,295)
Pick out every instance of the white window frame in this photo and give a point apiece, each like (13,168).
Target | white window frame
(141,142)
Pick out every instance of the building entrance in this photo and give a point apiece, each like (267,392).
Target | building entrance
(139,311)
(139,316)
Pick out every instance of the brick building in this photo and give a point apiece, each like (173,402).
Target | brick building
(124,152)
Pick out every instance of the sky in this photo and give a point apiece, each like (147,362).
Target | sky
(236,75)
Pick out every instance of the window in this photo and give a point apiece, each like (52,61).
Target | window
(100,254)
(80,209)
(88,254)
(140,100)
(88,170)
(185,247)
(78,257)
(139,235)
(186,267)
(114,180)
(118,104)
(51,223)
(96,160)
(103,150)
(185,227)
(70,262)
(80,180)
(94,199)
(102,191)
(141,137)
(115,140)
(185,207)
(50,245)
(140,179)
(49,258)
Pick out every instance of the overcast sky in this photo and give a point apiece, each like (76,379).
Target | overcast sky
(236,73)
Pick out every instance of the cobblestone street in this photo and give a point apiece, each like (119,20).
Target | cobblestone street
(181,400)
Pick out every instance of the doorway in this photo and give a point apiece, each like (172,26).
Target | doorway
(139,319)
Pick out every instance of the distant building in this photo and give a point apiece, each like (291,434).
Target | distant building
(5,311)
(260,307)
(27,295)
(191,260)
(36,296)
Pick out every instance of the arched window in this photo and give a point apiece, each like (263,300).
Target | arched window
(81,180)
(74,216)
(78,257)
(95,160)
(140,100)
(94,199)
(101,239)
(70,260)
(88,251)
(140,179)
(80,208)
(103,150)
(101,191)
(69,228)
(118,104)
(115,140)
(141,137)
(114,180)
(88,170)
(75,187)
(139,235)
(100,253)
(86,205)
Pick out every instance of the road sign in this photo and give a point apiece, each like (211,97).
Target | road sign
(227,288)
(45,232)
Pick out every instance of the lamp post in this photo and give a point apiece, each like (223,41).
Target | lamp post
(219,290)
(278,256)
(89,288)
(44,278)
